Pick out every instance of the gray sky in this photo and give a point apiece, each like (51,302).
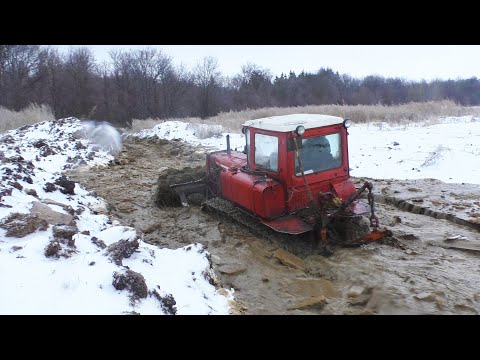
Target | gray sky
(411,62)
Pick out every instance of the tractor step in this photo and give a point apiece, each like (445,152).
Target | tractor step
(288,225)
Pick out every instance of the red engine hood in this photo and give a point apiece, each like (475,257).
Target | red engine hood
(234,160)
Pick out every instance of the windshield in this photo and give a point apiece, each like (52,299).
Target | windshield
(319,154)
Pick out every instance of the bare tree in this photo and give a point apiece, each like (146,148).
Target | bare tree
(17,65)
(79,77)
(151,67)
(207,77)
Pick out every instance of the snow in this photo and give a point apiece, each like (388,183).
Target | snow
(82,283)
(447,149)
(171,130)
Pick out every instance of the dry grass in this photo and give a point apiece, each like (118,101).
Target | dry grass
(32,114)
(398,114)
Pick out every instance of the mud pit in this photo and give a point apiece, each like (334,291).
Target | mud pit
(417,274)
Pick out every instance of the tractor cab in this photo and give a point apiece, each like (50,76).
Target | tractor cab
(298,151)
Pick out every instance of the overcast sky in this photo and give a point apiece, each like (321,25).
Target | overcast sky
(411,62)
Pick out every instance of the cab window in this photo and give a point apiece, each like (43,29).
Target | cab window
(319,153)
(266,152)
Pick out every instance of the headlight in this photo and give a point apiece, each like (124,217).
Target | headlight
(347,123)
(300,130)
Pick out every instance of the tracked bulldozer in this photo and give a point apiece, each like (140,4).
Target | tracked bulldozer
(293,177)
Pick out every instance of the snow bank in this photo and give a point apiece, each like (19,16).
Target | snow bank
(60,269)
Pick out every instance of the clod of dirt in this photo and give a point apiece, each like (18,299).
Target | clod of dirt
(312,302)
(289,259)
(355,290)
(99,209)
(164,195)
(408,237)
(167,302)
(425,296)
(79,210)
(360,300)
(98,242)
(16,185)
(122,249)
(64,234)
(79,146)
(20,225)
(7,139)
(67,185)
(232,269)
(31,192)
(53,249)
(46,151)
(39,143)
(133,282)
(16,248)
(49,187)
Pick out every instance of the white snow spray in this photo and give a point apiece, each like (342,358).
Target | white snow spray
(103,134)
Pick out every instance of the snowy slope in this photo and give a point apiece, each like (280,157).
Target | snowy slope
(93,265)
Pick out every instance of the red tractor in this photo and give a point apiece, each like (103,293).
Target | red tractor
(293,176)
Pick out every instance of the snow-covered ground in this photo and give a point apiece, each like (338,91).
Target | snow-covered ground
(448,150)
(91,265)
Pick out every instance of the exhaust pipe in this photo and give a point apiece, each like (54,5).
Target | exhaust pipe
(228,144)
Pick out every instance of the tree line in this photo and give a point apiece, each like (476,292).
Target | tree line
(138,84)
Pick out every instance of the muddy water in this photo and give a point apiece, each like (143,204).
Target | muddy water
(414,275)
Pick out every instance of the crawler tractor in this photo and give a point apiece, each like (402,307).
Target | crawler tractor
(292,176)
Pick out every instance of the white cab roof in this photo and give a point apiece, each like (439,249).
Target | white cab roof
(288,123)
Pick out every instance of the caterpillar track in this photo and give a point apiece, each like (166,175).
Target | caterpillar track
(300,245)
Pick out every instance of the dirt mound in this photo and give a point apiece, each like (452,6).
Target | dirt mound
(167,302)
(133,282)
(166,197)
(20,225)
(122,249)
(63,243)
(65,233)
(67,185)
